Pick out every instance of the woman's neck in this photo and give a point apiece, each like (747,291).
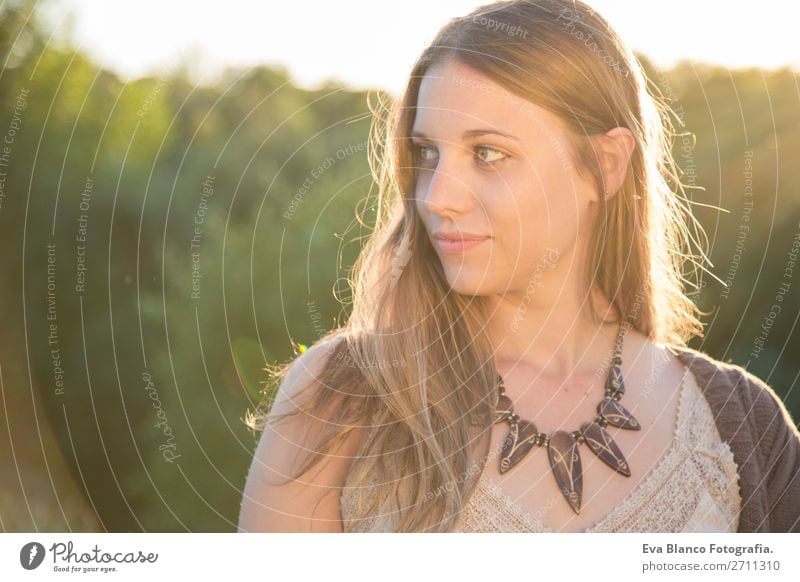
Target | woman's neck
(559,341)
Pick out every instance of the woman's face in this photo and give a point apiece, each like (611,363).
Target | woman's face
(495,170)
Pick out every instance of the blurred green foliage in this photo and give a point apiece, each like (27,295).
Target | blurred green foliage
(156,382)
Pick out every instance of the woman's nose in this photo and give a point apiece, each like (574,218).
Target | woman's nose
(445,190)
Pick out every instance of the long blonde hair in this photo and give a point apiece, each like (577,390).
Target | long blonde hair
(415,363)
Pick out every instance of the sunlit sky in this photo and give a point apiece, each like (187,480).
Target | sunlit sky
(373,44)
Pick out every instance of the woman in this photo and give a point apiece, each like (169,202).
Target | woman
(522,291)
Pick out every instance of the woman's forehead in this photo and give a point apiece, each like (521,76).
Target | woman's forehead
(454,98)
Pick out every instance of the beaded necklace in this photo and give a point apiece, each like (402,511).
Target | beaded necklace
(562,446)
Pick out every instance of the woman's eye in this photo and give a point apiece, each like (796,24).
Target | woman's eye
(487,155)
(425,154)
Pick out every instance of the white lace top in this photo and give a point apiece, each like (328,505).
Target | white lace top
(693,488)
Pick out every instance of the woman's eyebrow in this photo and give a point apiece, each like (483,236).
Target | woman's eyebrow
(471,133)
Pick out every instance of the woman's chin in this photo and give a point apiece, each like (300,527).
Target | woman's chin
(464,284)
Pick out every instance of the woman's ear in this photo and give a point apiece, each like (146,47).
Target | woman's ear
(614,149)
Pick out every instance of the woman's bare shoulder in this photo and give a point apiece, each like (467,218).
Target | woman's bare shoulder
(302,378)
(649,356)
(272,499)
(657,373)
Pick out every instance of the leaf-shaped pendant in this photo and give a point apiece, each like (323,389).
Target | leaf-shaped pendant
(617,415)
(602,445)
(565,463)
(504,409)
(521,438)
(615,385)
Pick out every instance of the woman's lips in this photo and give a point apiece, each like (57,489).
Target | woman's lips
(452,246)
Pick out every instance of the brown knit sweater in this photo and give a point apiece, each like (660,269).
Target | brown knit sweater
(765,442)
